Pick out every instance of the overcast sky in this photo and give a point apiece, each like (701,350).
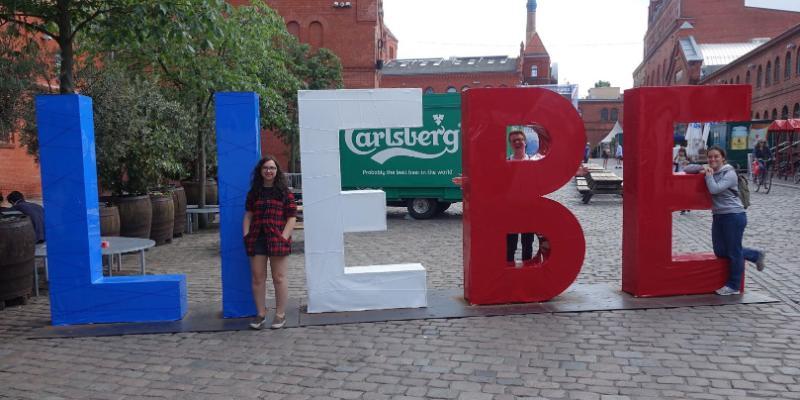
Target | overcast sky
(590,40)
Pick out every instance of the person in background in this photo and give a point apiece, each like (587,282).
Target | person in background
(606,155)
(619,156)
(517,140)
(34,211)
(586,153)
(680,161)
(762,154)
(269,219)
(729,219)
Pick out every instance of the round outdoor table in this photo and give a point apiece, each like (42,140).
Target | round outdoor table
(117,246)
(192,211)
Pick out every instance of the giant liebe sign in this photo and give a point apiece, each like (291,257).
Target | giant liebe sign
(500,197)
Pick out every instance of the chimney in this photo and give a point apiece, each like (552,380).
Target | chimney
(531,26)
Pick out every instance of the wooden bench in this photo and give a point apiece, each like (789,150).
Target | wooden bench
(597,181)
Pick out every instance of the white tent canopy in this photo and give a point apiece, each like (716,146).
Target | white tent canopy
(614,131)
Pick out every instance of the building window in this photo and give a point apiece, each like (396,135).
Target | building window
(737,79)
(465,87)
(294,28)
(315,34)
(787,69)
(796,112)
(777,77)
(797,61)
(774,114)
(451,89)
(429,90)
(758,115)
(768,74)
(534,71)
(758,77)
(614,114)
(604,114)
(747,77)
(785,112)
(766,114)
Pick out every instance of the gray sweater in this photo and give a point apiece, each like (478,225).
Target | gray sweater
(724,188)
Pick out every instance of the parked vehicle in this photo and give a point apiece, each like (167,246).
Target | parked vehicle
(413,165)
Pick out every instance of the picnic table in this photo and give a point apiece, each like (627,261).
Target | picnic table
(597,181)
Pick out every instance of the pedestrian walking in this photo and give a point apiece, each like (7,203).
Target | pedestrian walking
(729,219)
(269,219)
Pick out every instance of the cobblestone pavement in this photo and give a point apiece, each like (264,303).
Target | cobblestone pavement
(725,352)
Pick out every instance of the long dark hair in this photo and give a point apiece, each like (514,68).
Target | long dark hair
(258,182)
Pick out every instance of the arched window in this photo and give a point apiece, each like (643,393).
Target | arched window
(768,74)
(614,114)
(774,114)
(534,71)
(294,28)
(766,114)
(604,114)
(796,112)
(785,112)
(315,34)
(465,87)
(429,90)
(758,115)
(758,77)
(787,69)
(747,77)
(451,89)
(777,77)
(737,79)
(797,61)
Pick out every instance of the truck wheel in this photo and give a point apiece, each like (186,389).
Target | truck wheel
(443,206)
(422,208)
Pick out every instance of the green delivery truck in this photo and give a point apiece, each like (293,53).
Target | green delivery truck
(413,165)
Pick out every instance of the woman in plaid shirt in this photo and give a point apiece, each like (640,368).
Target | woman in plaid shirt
(269,219)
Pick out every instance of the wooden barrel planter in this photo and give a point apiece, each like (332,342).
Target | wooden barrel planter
(179,202)
(163,218)
(109,220)
(135,216)
(17,248)
(192,189)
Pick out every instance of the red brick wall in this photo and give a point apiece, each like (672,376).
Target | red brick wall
(352,33)
(714,21)
(19,171)
(439,83)
(543,64)
(785,92)
(596,128)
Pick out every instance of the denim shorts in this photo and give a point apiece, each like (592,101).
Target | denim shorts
(260,246)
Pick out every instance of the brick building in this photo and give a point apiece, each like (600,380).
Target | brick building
(721,30)
(600,110)
(774,72)
(439,75)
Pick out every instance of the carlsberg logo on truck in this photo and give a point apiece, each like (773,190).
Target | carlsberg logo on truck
(383,145)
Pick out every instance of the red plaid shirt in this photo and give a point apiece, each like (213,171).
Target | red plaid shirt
(270,213)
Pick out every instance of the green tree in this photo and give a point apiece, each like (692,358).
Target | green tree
(22,67)
(140,135)
(599,84)
(62,20)
(195,48)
